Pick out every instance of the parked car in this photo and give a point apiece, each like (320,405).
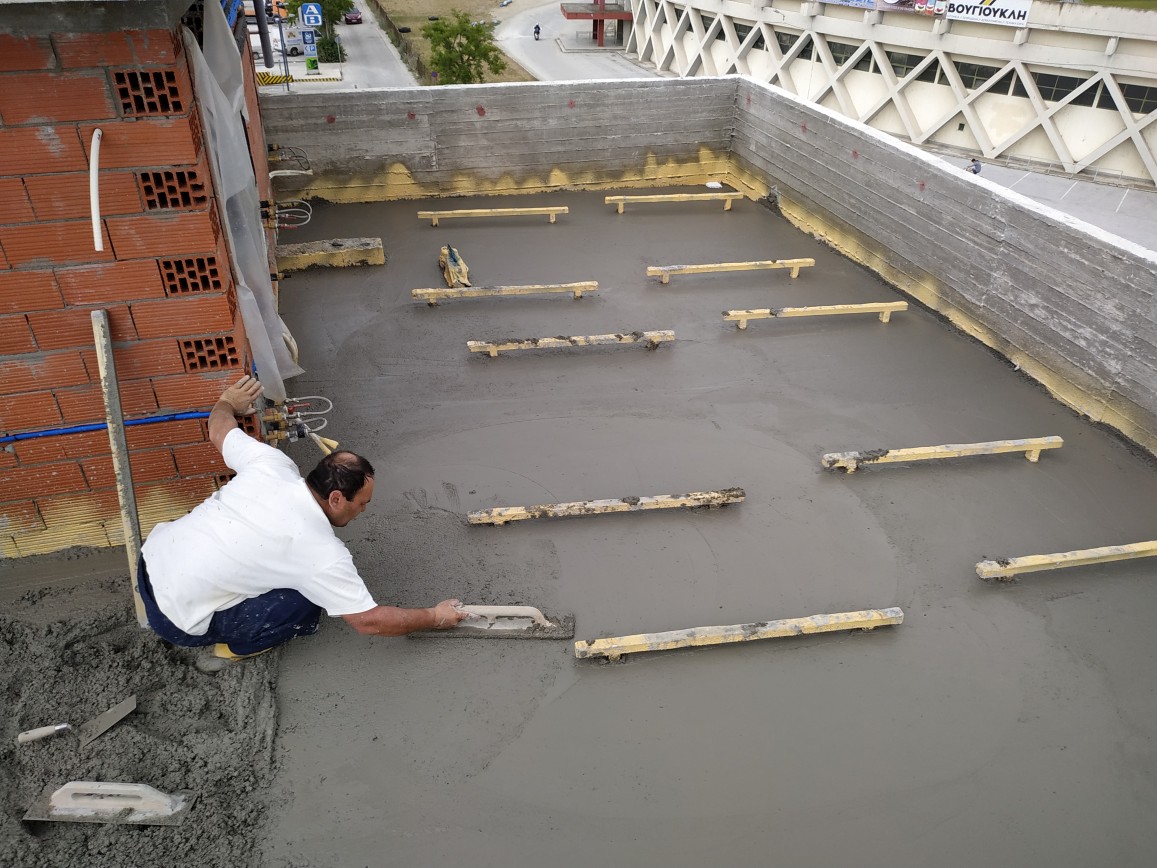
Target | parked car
(354,16)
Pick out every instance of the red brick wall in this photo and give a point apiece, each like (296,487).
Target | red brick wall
(163,277)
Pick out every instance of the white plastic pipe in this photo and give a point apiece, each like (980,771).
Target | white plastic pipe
(94,189)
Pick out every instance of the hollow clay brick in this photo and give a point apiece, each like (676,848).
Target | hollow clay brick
(142,142)
(198,459)
(116,281)
(149,465)
(40,149)
(174,317)
(65,196)
(63,329)
(15,336)
(55,97)
(14,204)
(46,244)
(60,478)
(161,234)
(80,406)
(28,412)
(25,53)
(122,48)
(46,371)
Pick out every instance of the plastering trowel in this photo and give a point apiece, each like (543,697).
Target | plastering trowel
(504,622)
(110,802)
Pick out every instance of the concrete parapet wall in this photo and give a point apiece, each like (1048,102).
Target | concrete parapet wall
(501,139)
(1073,306)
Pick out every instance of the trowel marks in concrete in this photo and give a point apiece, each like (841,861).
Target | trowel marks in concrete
(997,726)
(66,656)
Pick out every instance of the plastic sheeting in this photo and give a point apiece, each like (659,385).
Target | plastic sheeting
(219,79)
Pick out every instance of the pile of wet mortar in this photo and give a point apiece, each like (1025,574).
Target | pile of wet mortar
(69,654)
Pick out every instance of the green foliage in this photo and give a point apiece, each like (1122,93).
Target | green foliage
(329,50)
(331,11)
(461,49)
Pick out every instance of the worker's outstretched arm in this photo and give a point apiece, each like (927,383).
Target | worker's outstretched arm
(392,621)
(235,401)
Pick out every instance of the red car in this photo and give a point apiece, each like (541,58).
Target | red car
(354,16)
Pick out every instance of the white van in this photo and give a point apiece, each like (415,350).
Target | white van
(292,40)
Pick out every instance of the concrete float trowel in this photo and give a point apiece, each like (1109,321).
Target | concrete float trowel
(504,622)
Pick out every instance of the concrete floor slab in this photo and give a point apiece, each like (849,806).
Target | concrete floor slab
(997,725)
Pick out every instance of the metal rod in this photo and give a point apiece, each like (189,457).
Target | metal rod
(120,452)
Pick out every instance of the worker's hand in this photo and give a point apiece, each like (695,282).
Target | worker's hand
(241,395)
(447,614)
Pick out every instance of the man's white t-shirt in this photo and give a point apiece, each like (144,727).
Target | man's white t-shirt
(261,531)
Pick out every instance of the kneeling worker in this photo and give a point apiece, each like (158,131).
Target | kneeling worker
(254,565)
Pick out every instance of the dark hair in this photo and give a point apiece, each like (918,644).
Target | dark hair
(341,471)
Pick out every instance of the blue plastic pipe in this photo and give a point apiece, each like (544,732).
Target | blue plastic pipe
(102,426)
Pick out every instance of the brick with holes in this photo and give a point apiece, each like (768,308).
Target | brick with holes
(153,93)
(192,274)
(167,189)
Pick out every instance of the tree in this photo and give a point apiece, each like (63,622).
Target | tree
(331,10)
(460,48)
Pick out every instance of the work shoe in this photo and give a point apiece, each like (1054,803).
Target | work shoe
(217,657)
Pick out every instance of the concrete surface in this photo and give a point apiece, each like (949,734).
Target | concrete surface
(1071,304)
(1006,725)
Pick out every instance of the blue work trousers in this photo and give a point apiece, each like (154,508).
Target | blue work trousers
(253,625)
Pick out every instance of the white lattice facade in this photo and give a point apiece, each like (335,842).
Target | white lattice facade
(1074,91)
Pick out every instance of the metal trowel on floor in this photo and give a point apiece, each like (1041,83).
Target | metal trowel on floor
(100,724)
(504,622)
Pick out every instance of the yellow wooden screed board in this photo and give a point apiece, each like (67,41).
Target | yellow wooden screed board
(884,308)
(849,461)
(726,198)
(551,211)
(651,339)
(1006,568)
(504,514)
(431,296)
(664,272)
(615,647)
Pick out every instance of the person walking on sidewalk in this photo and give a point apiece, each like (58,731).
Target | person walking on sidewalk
(254,565)
(537,31)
